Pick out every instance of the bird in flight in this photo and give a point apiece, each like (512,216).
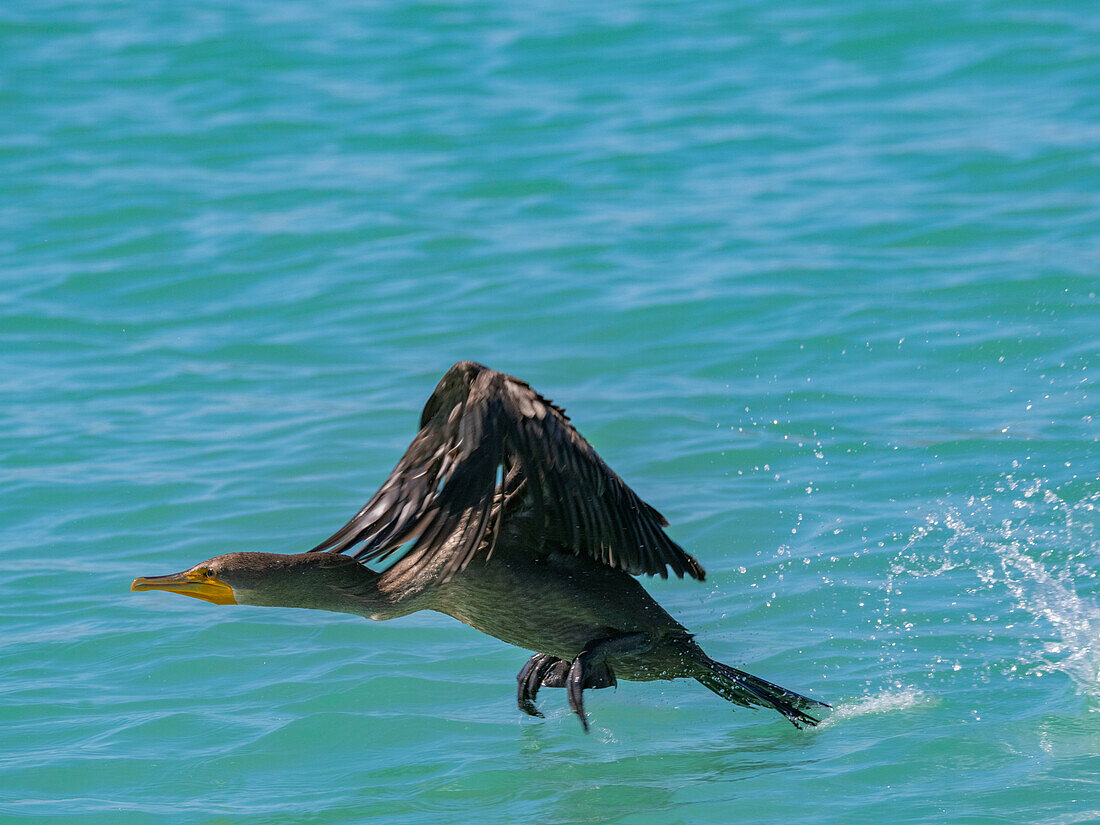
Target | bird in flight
(511,523)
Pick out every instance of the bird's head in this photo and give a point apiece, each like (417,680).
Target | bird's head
(269,579)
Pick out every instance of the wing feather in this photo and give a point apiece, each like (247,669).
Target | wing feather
(480,425)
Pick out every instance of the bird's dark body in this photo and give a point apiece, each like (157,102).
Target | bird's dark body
(574,602)
(518,529)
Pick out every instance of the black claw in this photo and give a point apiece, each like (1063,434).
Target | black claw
(575,690)
(535,677)
(521,677)
(528,707)
(529,679)
(521,683)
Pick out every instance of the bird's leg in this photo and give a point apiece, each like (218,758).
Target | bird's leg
(529,679)
(592,662)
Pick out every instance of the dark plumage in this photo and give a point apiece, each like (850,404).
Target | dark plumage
(517,528)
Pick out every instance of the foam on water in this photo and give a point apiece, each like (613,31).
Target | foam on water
(886,701)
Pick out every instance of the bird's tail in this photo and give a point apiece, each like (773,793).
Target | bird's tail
(747,690)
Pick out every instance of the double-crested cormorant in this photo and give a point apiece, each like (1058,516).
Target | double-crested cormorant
(518,529)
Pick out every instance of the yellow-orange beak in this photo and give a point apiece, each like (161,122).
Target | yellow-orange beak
(194,583)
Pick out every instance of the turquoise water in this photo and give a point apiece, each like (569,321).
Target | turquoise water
(819,279)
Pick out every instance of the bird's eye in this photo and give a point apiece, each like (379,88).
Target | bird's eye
(210,574)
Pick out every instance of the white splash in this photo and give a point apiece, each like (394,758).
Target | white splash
(1028,542)
(1050,596)
(887,701)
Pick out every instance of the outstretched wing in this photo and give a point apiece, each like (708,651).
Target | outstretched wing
(484,433)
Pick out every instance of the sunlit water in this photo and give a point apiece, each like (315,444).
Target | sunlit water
(819,280)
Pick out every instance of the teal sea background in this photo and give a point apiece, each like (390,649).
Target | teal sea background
(819,279)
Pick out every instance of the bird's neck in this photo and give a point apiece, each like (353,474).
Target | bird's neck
(376,596)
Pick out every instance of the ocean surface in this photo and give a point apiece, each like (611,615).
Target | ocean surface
(818,279)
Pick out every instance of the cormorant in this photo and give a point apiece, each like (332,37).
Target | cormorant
(519,529)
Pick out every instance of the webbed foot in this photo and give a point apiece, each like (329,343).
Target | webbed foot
(544,670)
(530,678)
(590,668)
